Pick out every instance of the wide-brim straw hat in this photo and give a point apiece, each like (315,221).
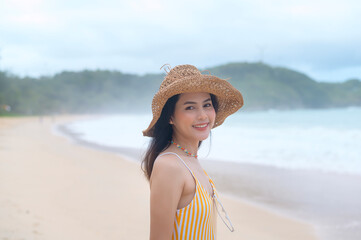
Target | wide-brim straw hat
(187,78)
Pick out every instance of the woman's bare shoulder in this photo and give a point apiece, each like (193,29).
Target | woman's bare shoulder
(168,162)
(167,167)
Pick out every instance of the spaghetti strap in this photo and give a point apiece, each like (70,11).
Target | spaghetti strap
(200,213)
(179,158)
(209,179)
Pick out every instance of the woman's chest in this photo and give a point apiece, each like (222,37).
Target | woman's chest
(202,178)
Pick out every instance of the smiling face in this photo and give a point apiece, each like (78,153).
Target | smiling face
(193,116)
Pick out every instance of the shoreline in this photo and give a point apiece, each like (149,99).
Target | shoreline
(308,196)
(37,207)
(133,154)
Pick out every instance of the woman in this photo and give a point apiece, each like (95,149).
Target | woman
(183,198)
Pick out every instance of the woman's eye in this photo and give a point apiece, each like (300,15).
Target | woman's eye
(192,107)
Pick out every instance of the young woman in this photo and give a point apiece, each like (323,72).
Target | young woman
(183,198)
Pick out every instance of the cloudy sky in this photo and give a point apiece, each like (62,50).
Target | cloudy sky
(321,38)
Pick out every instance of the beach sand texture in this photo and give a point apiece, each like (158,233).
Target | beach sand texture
(52,188)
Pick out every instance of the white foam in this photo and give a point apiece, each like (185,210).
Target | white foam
(326,140)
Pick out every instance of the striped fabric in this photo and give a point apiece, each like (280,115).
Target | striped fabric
(198,219)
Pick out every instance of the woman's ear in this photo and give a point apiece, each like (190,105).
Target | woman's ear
(170,121)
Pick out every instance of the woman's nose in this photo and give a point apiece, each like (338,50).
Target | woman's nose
(202,114)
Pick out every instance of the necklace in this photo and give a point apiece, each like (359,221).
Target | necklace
(185,150)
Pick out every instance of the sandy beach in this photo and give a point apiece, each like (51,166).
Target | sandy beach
(52,188)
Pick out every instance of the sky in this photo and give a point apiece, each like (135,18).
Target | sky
(317,37)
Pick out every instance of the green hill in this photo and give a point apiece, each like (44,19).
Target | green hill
(266,87)
(102,91)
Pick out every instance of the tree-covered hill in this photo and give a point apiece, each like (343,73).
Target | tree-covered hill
(102,91)
(267,87)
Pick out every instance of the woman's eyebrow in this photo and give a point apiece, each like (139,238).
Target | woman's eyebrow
(189,102)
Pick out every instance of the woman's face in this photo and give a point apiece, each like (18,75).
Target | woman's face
(193,116)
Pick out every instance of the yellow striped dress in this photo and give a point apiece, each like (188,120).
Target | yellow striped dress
(198,219)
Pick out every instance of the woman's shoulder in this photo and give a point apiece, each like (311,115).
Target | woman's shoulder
(167,166)
(167,159)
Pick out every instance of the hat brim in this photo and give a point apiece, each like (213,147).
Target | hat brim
(229,98)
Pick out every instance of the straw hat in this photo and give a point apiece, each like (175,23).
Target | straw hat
(187,78)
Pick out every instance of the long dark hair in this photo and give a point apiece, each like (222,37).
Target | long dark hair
(162,134)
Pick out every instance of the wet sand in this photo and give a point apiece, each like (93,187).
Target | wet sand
(328,201)
(52,188)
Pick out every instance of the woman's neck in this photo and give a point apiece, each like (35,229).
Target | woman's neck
(190,145)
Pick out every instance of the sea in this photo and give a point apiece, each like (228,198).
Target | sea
(314,151)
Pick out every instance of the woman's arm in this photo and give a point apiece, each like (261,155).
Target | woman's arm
(166,186)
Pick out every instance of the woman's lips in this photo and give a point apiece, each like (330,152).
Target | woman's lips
(201,127)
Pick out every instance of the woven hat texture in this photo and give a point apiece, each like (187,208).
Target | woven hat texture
(187,78)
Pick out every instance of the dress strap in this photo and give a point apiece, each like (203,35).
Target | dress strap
(211,182)
(179,158)
(209,179)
